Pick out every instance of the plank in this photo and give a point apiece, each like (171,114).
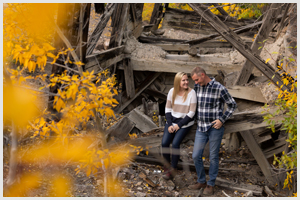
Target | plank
(119,19)
(93,39)
(129,79)
(213,36)
(200,58)
(258,155)
(248,93)
(173,47)
(95,59)
(98,67)
(143,86)
(141,121)
(176,66)
(264,31)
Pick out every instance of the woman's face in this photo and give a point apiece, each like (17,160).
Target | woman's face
(184,83)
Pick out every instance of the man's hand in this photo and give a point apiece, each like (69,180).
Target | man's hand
(176,128)
(217,124)
(171,129)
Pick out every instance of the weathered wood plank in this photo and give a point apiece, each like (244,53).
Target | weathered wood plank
(173,47)
(200,58)
(95,59)
(176,66)
(129,79)
(248,93)
(238,43)
(99,28)
(258,155)
(105,64)
(119,19)
(141,121)
(142,87)
(263,34)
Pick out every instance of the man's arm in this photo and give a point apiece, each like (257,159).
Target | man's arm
(231,105)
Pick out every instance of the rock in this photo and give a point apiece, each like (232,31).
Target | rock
(176,194)
(170,185)
(140,194)
(139,188)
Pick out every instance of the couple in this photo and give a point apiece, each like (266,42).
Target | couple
(206,102)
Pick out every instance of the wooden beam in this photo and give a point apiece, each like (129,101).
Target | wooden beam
(149,80)
(248,93)
(176,66)
(100,28)
(95,59)
(200,58)
(173,47)
(141,121)
(238,43)
(213,36)
(119,20)
(256,48)
(259,156)
(129,79)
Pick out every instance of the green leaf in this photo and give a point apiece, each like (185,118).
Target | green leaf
(259,48)
(274,52)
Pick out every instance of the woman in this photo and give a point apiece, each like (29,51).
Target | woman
(180,110)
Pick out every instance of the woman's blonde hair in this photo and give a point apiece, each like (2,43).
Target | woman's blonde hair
(176,89)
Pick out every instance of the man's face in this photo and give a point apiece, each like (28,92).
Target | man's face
(199,79)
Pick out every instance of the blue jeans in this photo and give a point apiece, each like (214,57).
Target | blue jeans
(214,136)
(175,139)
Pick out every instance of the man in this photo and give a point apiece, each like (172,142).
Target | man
(211,97)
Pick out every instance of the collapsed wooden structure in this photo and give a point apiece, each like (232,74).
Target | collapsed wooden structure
(146,82)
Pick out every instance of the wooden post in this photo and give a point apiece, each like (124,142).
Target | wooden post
(119,19)
(129,79)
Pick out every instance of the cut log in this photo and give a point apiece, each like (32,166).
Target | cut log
(263,34)
(237,42)
(248,93)
(100,28)
(141,121)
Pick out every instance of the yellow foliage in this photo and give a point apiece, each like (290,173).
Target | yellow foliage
(60,186)
(26,183)
(18,105)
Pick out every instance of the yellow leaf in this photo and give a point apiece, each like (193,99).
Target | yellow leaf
(268,60)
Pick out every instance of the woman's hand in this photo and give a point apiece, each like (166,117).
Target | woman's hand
(171,129)
(176,128)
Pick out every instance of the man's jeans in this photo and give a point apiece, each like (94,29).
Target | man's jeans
(214,136)
(175,139)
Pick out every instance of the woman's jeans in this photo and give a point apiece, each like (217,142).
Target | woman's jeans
(214,136)
(174,138)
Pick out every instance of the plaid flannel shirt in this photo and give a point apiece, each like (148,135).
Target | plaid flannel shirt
(210,104)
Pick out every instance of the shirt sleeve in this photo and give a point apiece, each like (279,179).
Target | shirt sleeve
(231,105)
(168,108)
(192,109)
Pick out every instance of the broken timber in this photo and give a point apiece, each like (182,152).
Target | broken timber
(248,93)
(263,34)
(238,43)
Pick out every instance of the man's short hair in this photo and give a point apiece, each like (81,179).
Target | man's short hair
(198,71)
